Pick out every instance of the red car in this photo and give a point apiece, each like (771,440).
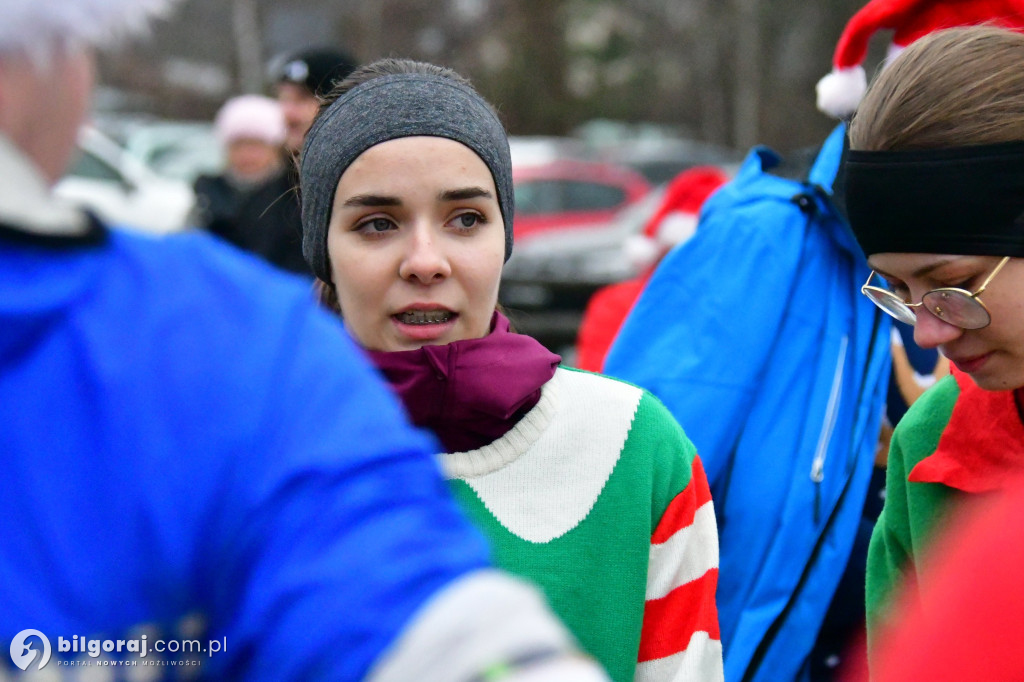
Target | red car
(572,194)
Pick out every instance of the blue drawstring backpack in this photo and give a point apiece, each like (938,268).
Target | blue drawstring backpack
(755,335)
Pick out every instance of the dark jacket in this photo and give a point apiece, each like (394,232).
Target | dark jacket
(264,219)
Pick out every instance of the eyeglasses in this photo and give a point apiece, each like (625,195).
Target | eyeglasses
(958,307)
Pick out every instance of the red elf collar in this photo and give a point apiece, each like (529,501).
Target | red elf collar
(982,446)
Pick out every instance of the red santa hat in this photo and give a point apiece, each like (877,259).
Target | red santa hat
(675,221)
(840,92)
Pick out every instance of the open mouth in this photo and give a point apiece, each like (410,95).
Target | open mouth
(423,317)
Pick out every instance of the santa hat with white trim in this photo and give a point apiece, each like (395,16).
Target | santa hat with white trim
(33,27)
(840,91)
(675,220)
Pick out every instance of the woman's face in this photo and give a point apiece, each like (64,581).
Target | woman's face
(416,243)
(253,160)
(994,355)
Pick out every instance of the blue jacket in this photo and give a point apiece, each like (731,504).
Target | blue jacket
(182,430)
(756,337)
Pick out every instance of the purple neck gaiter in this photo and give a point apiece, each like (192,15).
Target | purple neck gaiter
(470,392)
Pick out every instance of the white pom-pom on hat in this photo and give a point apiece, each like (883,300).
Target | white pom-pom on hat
(840,92)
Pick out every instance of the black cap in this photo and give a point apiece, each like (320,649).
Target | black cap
(317,69)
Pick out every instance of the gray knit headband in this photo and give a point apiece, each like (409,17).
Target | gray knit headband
(386,108)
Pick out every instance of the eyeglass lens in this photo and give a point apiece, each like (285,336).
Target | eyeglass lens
(952,306)
(957,308)
(891,304)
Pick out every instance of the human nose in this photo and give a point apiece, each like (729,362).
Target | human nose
(931,331)
(425,259)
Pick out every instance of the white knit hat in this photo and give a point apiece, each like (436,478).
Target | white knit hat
(252,117)
(840,91)
(36,26)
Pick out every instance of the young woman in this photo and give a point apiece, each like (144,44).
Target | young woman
(584,484)
(935,192)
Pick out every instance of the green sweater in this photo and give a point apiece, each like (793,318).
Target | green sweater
(956,442)
(911,510)
(597,496)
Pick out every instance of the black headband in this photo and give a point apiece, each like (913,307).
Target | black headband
(963,200)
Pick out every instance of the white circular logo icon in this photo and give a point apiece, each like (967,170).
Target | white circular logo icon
(22,652)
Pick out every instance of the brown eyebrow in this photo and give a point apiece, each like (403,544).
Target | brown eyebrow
(372,200)
(920,272)
(464,193)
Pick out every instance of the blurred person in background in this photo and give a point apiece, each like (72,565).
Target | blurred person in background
(673,223)
(266,219)
(242,203)
(192,449)
(301,79)
(583,484)
(935,195)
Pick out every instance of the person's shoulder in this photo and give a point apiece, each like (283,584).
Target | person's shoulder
(195,272)
(919,430)
(933,408)
(648,410)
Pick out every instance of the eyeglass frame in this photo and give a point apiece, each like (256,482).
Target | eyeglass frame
(911,306)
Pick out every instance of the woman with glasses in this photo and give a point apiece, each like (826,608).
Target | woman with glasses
(935,193)
(583,484)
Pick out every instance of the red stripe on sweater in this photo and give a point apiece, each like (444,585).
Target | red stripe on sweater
(682,508)
(669,622)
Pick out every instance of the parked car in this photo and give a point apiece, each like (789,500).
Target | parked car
(121,190)
(182,150)
(571,194)
(551,276)
(660,161)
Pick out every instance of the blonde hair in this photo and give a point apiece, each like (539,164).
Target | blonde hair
(953,88)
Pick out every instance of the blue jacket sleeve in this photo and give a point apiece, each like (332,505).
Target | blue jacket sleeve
(339,529)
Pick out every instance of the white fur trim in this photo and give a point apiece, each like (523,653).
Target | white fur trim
(641,251)
(893,51)
(840,92)
(26,202)
(34,27)
(478,621)
(676,228)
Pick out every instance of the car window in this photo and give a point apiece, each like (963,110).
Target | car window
(591,196)
(88,165)
(537,197)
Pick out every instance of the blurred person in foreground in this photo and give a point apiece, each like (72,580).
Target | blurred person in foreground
(963,621)
(583,484)
(936,197)
(191,449)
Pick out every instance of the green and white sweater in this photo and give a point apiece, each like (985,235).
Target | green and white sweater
(597,496)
